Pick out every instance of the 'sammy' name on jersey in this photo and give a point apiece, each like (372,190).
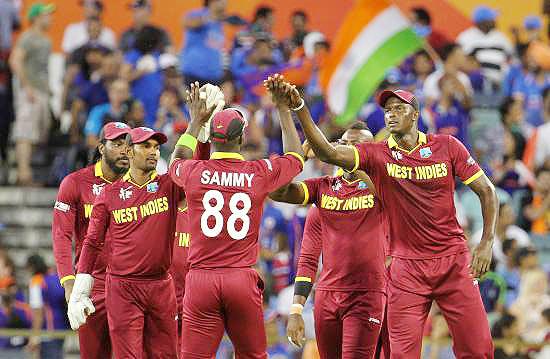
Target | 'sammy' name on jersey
(437,170)
(229,179)
(130,214)
(350,204)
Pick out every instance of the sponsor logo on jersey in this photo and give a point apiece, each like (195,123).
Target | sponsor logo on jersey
(63,207)
(153,187)
(425,152)
(125,193)
(470,161)
(362,185)
(97,188)
(397,155)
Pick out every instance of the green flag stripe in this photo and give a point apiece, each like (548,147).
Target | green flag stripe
(371,74)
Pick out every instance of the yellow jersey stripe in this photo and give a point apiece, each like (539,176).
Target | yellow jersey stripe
(356,155)
(298,156)
(306,193)
(303,279)
(66,278)
(474,177)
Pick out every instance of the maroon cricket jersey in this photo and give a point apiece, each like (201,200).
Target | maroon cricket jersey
(416,188)
(71,216)
(225,196)
(354,230)
(180,267)
(141,221)
(311,247)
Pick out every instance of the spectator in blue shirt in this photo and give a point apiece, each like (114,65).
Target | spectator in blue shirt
(14,314)
(120,108)
(141,14)
(47,301)
(201,57)
(142,70)
(527,81)
(450,115)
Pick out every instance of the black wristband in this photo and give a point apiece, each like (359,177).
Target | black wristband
(302,288)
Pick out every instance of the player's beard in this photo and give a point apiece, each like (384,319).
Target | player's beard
(112,163)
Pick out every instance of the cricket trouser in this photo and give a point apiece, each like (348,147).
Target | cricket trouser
(142,317)
(413,284)
(218,299)
(93,336)
(348,323)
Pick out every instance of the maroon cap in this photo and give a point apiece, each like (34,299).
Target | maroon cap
(403,95)
(114,130)
(227,125)
(142,134)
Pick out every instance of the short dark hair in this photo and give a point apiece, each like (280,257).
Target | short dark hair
(359,125)
(37,264)
(447,50)
(505,322)
(300,13)
(423,15)
(521,49)
(262,12)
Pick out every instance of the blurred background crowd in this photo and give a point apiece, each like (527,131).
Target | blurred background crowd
(487,87)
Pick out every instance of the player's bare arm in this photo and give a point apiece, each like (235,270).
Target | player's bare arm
(481,256)
(295,328)
(199,116)
(281,92)
(292,193)
(342,156)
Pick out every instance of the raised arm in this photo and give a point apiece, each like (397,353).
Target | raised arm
(342,156)
(281,93)
(199,115)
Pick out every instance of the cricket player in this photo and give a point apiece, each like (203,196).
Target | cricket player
(225,196)
(139,212)
(414,175)
(351,292)
(180,266)
(71,216)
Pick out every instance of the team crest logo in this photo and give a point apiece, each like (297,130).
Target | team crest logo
(120,125)
(362,185)
(337,185)
(397,155)
(125,193)
(425,152)
(97,188)
(153,187)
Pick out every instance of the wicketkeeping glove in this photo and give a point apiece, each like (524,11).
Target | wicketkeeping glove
(214,99)
(80,305)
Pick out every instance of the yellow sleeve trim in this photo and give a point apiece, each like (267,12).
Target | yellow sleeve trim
(298,156)
(356,166)
(474,177)
(306,193)
(66,278)
(302,279)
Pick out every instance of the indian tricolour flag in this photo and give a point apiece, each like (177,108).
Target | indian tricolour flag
(374,37)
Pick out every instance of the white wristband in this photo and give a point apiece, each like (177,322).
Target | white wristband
(299,107)
(296,308)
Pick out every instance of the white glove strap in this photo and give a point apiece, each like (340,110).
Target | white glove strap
(82,286)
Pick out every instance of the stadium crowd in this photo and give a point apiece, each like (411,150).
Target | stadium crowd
(489,91)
